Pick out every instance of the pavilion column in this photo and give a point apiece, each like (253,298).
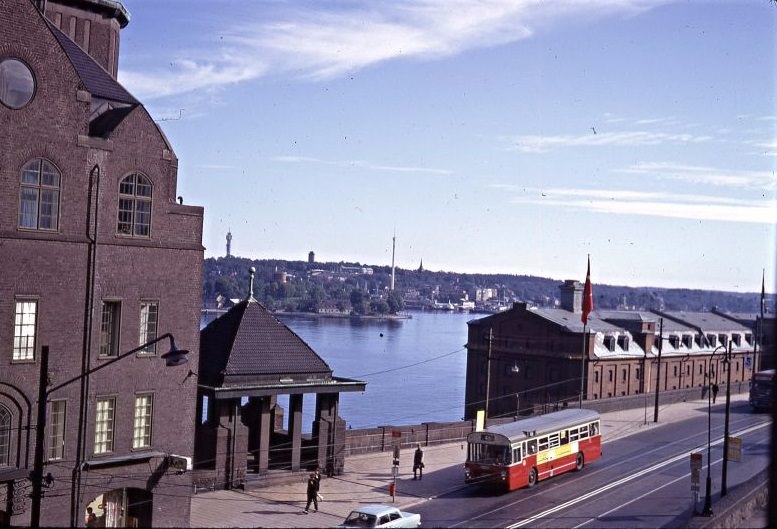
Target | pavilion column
(330,431)
(295,429)
(265,420)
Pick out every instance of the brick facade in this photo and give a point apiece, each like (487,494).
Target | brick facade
(533,359)
(69,271)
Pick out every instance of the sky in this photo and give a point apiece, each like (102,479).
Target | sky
(489,136)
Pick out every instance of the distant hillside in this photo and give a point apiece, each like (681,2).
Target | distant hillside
(228,277)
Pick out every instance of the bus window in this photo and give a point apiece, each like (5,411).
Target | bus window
(543,443)
(594,428)
(564,437)
(532,446)
(485,453)
(553,440)
(517,455)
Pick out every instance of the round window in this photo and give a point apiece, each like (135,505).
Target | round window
(17,84)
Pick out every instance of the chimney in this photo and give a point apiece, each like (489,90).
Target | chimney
(572,296)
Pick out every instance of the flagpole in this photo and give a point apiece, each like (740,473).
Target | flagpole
(582,367)
(760,328)
(586,308)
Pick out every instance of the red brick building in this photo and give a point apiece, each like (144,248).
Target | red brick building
(97,258)
(530,359)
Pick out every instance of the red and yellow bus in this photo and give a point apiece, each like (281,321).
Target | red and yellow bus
(520,453)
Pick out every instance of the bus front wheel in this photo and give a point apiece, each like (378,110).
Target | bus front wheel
(580,461)
(532,477)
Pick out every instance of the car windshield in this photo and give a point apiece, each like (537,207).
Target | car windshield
(360,519)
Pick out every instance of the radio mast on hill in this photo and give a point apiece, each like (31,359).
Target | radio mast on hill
(393,248)
(229,243)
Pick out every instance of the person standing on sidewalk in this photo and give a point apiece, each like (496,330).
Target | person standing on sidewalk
(312,493)
(418,463)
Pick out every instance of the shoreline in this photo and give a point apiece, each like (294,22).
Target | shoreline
(370,317)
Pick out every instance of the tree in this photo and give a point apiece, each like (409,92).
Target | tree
(395,303)
(358,301)
(378,306)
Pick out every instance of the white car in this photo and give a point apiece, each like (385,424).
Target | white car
(380,516)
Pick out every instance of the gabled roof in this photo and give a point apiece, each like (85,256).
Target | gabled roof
(248,345)
(96,80)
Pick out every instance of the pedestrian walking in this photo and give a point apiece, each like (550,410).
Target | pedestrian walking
(318,484)
(418,463)
(312,493)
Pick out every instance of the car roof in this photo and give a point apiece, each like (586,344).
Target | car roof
(374,508)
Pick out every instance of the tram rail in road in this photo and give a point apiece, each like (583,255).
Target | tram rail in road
(684,455)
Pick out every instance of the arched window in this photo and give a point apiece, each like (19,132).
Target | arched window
(5,436)
(135,206)
(39,196)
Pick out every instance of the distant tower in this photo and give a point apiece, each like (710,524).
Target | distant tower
(421,268)
(229,244)
(393,248)
(311,257)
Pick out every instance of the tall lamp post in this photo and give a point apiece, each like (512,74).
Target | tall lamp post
(723,487)
(174,357)
(708,489)
(658,367)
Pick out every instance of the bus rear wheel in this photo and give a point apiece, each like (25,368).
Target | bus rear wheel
(532,477)
(580,463)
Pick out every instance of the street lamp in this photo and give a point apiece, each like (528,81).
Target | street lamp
(658,367)
(174,357)
(723,487)
(708,491)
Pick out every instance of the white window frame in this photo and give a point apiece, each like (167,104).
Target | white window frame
(104,423)
(39,196)
(110,328)
(149,325)
(56,425)
(143,418)
(25,332)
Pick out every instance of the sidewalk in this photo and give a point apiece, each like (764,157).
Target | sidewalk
(366,480)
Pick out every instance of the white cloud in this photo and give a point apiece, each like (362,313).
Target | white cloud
(540,144)
(328,39)
(653,204)
(760,180)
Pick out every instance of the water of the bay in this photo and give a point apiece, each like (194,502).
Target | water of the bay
(414,368)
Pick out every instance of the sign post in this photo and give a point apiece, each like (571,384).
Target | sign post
(734,452)
(696,465)
(396,436)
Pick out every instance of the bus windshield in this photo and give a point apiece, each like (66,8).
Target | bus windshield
(489,454)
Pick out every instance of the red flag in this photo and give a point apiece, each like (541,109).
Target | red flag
(588,296)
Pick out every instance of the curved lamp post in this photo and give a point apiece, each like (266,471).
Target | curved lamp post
(174,357)
(724,475)
(708,489)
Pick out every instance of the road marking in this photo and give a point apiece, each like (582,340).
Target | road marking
(621,481)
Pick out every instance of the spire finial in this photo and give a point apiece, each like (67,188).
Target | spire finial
(251,272)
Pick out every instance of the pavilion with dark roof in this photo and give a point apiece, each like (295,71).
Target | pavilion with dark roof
(247,359)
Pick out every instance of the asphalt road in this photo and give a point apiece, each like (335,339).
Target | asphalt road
(643,480)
